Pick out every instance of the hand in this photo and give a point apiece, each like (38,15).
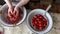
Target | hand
(16,11)
(10,10)
(13,12)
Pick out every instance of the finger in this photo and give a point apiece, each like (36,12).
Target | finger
(16,12)
(9,13)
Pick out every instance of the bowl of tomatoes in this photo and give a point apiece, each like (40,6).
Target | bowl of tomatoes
(7,21)
(37,22)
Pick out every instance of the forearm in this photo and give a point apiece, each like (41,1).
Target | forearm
(22,2)
(8,2)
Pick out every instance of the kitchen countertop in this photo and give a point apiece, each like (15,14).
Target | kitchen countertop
(23,29)
(56,24)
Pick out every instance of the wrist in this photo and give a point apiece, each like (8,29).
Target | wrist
(17,7)
(10,6)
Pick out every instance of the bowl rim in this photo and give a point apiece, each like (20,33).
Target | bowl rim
(47,29)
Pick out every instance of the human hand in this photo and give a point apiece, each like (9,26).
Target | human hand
(10,11)
(13,12)
(16,11)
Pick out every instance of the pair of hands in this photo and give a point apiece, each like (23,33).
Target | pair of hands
(13,11)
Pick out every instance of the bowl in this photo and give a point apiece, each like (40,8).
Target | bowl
(41,12)
(21,21)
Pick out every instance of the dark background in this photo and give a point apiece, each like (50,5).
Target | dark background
(42,4)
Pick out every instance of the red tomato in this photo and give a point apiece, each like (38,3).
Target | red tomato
(40,28)
(35,16)
(37,19)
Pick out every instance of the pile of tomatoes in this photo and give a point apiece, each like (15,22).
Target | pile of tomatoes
(38,22)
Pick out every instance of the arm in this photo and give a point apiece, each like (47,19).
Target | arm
(22,2)
(8,2)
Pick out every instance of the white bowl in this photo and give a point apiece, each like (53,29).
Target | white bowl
(23,18)
(48,17)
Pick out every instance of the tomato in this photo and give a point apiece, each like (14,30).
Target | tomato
(37,19)
(40,28)
(35,16)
